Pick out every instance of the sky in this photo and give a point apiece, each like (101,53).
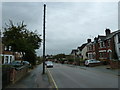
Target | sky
(68,24)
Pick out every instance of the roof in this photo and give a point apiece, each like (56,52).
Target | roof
(112,34)
(108,36)
(82,46)
(101,37)
(74,51)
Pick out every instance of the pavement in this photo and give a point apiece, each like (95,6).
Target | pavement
(33,79)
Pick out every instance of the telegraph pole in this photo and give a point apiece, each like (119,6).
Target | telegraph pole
(44,39)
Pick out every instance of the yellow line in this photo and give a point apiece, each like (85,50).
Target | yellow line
(53,79)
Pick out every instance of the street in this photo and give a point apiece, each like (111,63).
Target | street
(81,77)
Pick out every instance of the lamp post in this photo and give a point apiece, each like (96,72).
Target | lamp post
(44,39)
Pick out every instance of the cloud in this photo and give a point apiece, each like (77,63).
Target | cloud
(68,24)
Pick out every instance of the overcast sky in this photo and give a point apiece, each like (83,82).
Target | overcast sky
(68,24)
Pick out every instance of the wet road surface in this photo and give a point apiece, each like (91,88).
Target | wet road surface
(75,77)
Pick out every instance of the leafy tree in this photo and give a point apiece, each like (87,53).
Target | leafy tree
(59,56)
(22,40)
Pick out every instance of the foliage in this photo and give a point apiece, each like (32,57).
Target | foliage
(39,60)
(70,58)
(21,40)
(59,56)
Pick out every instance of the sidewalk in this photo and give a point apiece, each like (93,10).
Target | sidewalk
(33,79)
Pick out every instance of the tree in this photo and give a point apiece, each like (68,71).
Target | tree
(22,40)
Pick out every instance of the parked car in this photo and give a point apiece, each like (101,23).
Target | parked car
(16,63)
(92,62)
(26,63)
(20,63)
(49,64)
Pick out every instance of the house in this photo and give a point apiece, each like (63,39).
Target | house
(0,50)
(90,51)
(74,52)
(84,51)
(102,48)
(7,55)
(109,46)
(117,43)
(79,52)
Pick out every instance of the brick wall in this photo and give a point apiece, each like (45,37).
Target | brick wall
(11,75)
(114,64)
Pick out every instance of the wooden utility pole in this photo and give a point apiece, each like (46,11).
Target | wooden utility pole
(44,39)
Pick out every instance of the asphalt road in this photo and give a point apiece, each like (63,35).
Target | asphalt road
(75,77)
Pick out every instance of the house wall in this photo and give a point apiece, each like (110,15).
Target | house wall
(84,51)
(90,51)
(117,46)
(7,58)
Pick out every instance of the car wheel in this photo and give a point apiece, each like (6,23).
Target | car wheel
(88,65)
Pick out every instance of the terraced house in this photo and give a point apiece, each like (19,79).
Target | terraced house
(105,48)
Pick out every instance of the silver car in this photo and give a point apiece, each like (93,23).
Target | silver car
(49,64)
(92,62)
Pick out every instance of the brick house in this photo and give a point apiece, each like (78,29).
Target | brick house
(8,56)
(102,48)
(105,48)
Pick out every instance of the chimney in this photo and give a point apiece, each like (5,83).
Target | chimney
(107,31)
(96,39)
(88,40)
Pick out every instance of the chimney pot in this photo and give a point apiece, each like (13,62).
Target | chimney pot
(107,31)
(88,40)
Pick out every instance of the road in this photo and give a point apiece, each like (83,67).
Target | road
(76,77)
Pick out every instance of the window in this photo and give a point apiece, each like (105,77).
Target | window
(108,43)
(10,59)
(2,59)
(102,44)
(6,59)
